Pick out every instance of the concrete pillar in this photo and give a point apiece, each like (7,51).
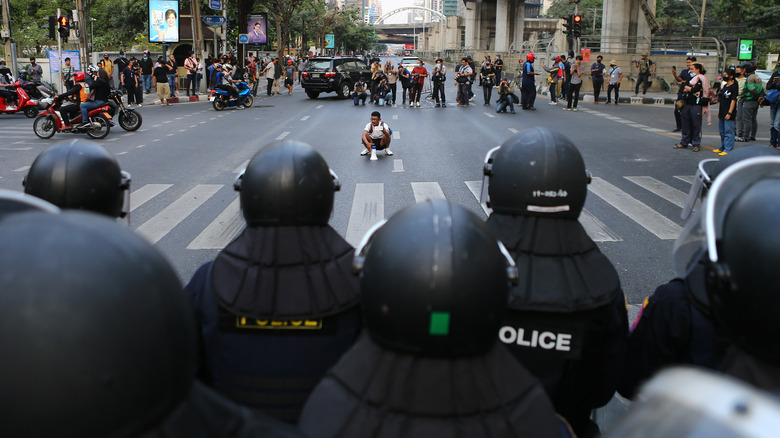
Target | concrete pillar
(624,26)
(519,25)
(502,25)
(471,24)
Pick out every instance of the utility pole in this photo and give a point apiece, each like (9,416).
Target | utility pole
(197,43)
(10,50)
(701,23)
(59,48)
(82,30)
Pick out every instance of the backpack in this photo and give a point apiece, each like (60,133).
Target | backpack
(772,95)
(644,66)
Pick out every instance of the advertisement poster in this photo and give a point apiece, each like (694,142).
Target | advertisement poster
(54,59)
(330,41)
(163,21)
(256,28)
(745,50)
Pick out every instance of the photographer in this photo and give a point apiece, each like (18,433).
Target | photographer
(419,74)
(392,79)
(439,76)
(462,81)
(487,76)
(406,83)
(359,92)
(506,98)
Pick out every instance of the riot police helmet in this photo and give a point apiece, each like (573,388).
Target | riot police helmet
(80,175)
(287,183)
(97,335)
(16,202)
(536,172)
(434,281)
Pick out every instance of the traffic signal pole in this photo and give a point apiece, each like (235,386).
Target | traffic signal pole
(10,49)
(82,30)
(59,49)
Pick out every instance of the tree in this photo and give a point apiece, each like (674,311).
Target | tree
(282,11)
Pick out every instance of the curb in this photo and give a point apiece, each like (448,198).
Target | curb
(627,100)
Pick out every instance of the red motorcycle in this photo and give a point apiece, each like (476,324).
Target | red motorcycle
(24,103)
(50,122)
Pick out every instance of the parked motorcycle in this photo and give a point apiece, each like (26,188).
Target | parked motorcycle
(221,98)
(129,119)
(50,122)
(24,103)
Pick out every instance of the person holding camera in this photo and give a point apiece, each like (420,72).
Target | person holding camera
(487,75)
(392,79)
(359,91)
(506,97)
(462,81)
(439,76)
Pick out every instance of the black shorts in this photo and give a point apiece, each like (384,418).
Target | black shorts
(288,81)
(378,143)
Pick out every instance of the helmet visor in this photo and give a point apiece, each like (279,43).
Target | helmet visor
(487,171)
(701,183)
(124,185)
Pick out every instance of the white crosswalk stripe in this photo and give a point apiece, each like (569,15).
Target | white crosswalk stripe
(163,222)
(426,190)
(222,230)
(146,193)
(368,208)
(665,191)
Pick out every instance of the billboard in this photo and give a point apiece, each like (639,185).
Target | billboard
(745,50)
(54,59)
(163,21)
(330,41)
(257,28)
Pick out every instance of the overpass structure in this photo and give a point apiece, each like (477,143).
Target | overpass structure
(400,33)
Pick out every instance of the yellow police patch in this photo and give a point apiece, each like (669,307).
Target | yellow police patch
(243,322)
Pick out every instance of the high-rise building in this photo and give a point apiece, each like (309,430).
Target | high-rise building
(449,7)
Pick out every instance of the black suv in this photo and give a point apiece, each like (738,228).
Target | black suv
(328,74)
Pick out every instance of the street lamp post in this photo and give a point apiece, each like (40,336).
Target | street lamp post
(414,32)
(92,33)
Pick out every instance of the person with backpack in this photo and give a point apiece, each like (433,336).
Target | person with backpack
(646,69)
(773,89)
(752,92)
(556,72)
(696,92)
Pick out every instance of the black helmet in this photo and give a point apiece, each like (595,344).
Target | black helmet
(537,172)
(97,336)
(287,183)
(434,281)
(80,175)
(740,219)
(16,202)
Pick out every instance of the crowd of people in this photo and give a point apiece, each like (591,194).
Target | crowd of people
(438,323)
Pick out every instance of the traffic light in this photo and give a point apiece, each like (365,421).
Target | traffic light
(577,26)
(63,27)
(568,22)
(52,27)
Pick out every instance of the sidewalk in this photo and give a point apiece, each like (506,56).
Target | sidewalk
(627,97)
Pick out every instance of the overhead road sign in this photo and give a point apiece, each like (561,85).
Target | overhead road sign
(215,4)
(214,20)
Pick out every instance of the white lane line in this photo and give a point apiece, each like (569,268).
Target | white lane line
(157,125)
(156,139)
(145,193)
(513,130)
(637,125)
(19,149)
(201,123)
(241,168)
(426,190)
(169,135)
(368,208)
(122,153)
(686,178)
(475,187)
(112,139)
(22,169)
(398,165)
(304,118)
(490,115)
(396,135)
(127,134)
(140,146)
(659,188)
(395,116)
(168,121)
(192,126)
(640,213)
(596,229)
(182,130)
(178,118)
(653,130)
(222,230)
(163,222)
(282,135)
(318,107)
(624,121)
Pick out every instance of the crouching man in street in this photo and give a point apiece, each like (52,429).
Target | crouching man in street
(376,136)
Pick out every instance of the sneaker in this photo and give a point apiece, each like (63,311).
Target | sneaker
(567,109)
(388,151)
(418,104)
(552,103)
(365,152)
(240,107)
(444,105)
(676,130)
(373,155)
(574,109)
(512,111)
(717,151)
(437,106)
(723,153)
(364,103)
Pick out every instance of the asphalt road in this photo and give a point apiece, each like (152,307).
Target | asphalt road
(185,158)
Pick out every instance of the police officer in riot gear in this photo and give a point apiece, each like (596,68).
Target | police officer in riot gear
(80,175)
(675,324)
(434,284)
(14,202)
(567,319)
(279,305)
(98,339)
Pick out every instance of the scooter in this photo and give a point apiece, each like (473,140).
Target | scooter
(129,119)
(50,122)
(221,98)
(24,103)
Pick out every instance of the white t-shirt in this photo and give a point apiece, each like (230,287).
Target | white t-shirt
(377,131)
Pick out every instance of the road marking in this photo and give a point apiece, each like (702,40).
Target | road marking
(169,135)
(490,115)
(653,130)
(396,135)
(145,193)
(624,121)
(112,139)
(663,190)
(156,139)
(122,153)
(395,116)
(222,230)
(168,121)
(283,135)
(156,126)
(304,118)
(182,130)
(596,229)
(513,130)
(426,190)
(163,222)
(241,168)
(319,106)
(398,165)
(16,149)
(178,118)
(193,126)
(22,169)
(368,208)
(637,125)
(686,178)
(476,189)
(201,123)
(127,134)
(140,146)
(640,213)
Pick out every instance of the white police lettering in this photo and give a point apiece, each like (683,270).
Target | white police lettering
(546,340)
(560,193)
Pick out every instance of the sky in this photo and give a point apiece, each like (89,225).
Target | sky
(389,5)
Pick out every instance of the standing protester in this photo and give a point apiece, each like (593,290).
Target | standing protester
(278,73)
(160,81)
(646,69)
(575,84)
(139,88)
(774,108)
(473,77)
(268,73)
(406,83)
(556,73)
(568,61)
(252,75)
(727,111)
(528,95)
(692,110)
(107,65)
(615,77)
(683,79)
(289,76)
(121,62)
(419,74)
(597,76)
(740,80)
(191,64)
(199,74)
(438,79)
(128,82)
(487,75)
(462,82)
(498,64)
(67,71)
(392,79)
(35,71)
(146,71)
(753,91)
(172,73)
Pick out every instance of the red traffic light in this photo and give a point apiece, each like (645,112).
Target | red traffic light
(577,18)
(63,22)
